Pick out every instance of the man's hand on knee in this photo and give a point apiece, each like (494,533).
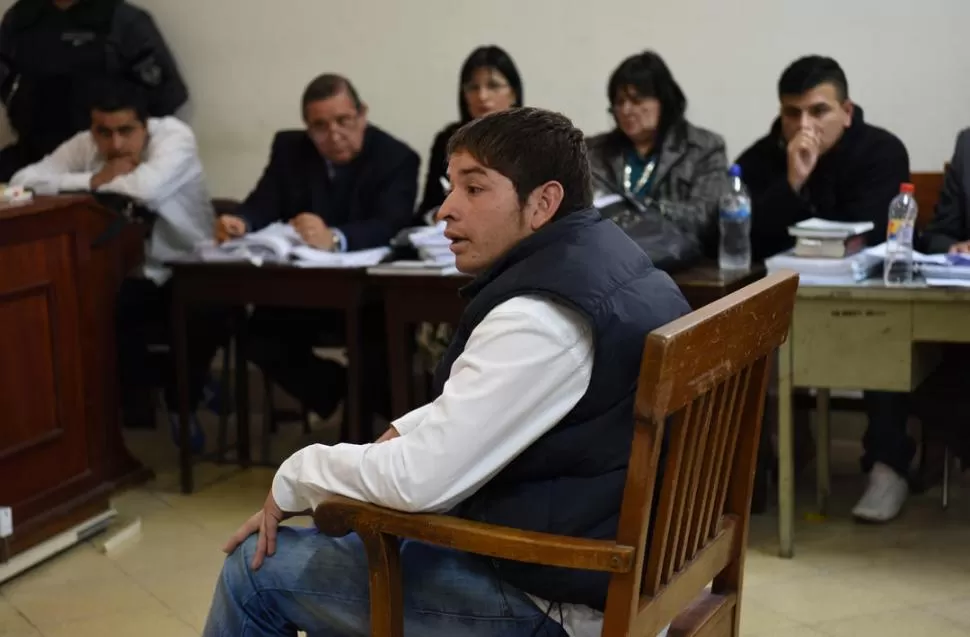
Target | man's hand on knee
(265,522)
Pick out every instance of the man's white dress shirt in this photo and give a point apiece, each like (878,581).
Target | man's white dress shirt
(169,181)
(525,366)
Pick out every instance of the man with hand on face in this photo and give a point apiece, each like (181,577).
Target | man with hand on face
(821,159)
(344,184)
(53,51)
(155,162)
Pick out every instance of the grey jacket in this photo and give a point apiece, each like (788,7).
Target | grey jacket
(951,221)
(691,176)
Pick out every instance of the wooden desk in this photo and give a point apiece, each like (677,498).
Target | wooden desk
(61,448)
(239,284)
(413,299)
(705,283)
(408,301)
(866,337)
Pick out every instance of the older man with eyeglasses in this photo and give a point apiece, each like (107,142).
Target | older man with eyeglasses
(344,184)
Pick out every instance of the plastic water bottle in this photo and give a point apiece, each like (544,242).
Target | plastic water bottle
(898,266)
(734,252)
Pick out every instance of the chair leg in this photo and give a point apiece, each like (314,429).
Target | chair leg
(269,418)
(345,423)
(947,460)
(223,436)
(822,451)
(306,419)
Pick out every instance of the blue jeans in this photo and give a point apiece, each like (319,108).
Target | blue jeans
(319,585)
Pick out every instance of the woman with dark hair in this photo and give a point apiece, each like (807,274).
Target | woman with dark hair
(489,83)
(654,155)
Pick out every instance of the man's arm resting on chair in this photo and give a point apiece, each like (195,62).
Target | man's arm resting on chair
(523,369)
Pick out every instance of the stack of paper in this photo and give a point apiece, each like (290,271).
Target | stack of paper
(432,245)
(816,228)
(938,270)
(307,257)
(414,268)
(822,271)
(281,243)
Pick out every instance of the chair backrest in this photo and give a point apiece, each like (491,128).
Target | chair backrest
(928,187)
(225,206)
(702,385)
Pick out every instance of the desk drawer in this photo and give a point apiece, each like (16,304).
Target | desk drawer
(846,344)
(944,322)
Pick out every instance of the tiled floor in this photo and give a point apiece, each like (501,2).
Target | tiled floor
(908,579)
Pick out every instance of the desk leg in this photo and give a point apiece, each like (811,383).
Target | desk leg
(243,454)
(823,466)
(398,361)
(786,453)
(180,344)
(355,365)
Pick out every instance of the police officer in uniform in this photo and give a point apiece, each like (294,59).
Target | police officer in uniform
(53,51)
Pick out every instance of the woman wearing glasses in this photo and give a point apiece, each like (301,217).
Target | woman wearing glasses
(654,155)
(489,83)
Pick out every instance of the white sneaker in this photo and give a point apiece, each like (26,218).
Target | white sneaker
(884,497)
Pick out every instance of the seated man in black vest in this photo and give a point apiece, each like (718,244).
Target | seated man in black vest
(344,184)
(822,159)
(531,427)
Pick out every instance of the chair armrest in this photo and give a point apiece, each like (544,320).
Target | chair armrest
(337,516)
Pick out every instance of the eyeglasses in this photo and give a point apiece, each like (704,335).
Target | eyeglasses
(342,123)
(492,86)
(633,102)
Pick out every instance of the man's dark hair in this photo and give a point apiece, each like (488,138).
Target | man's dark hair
(487,57)
(531,146)
(649,76)
(114,96)
(806,73)
(329,85)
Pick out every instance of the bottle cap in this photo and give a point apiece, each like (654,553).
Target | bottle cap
(735,170)
(907,188)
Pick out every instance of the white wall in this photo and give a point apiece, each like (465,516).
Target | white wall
(247,61)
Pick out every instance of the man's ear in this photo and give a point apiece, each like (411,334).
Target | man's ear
(848,107)
(546,201)
(362,111)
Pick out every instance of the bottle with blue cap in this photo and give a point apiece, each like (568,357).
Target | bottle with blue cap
(734,214)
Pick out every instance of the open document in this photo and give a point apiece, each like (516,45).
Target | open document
(280,243)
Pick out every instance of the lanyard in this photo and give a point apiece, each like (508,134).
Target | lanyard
(644,178)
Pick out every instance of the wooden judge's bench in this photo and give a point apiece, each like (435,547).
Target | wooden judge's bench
(62,261)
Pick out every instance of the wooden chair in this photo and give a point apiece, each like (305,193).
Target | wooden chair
(928,187)
(703,381)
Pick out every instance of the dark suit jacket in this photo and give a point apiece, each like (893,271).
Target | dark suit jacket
(951,221)
(381,202)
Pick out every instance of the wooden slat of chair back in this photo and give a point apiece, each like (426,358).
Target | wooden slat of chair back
(928,187)
(703,379)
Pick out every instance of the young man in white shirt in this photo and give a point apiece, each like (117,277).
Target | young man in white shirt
(531,426)
(154,162)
